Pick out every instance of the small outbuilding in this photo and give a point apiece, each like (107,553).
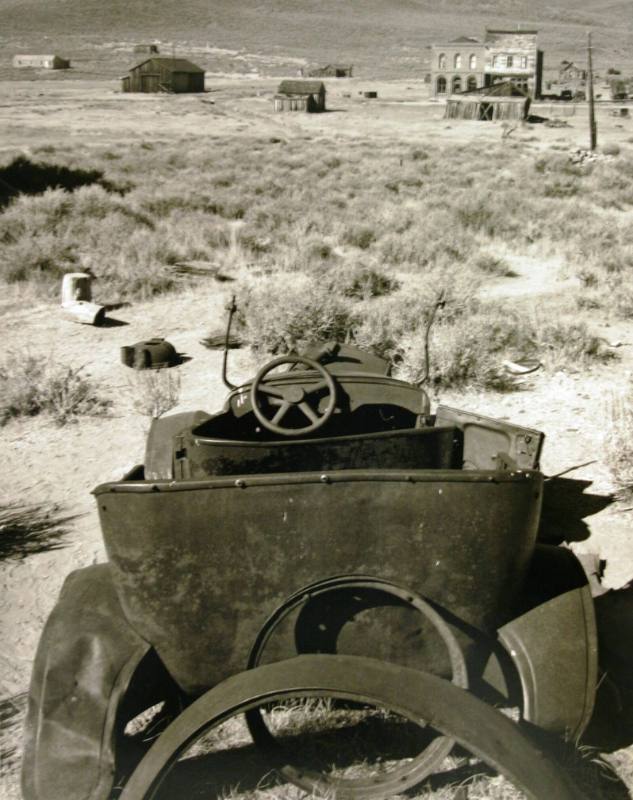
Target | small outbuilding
(49,61)
(501,101)
(300,96)
(160,74)
(149,49)
(329,71)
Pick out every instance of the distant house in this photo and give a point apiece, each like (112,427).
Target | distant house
(329,71)
(568,72)
(49,61)
(300,96)
(160,74)
(149,49)
(502,101)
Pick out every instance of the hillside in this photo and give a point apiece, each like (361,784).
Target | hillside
(386,38)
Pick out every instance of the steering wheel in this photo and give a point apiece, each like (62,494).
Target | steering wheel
(286,397)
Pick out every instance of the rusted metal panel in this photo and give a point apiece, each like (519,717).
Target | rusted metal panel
(555,649)
(201,542)
(430,448)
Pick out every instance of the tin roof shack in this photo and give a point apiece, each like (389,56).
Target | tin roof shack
(329,71)
(160,74)
(300,96)
(49,61)
(503,101)
(514,56)
(149,49)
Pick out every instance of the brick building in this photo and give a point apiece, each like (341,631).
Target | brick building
(465,64)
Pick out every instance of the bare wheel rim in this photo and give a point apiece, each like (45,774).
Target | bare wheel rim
(399,778)
(413,694)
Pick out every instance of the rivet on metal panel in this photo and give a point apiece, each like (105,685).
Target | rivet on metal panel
(439,491)
(324,479)
(241,484)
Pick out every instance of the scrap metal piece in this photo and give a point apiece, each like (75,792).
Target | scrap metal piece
(417,696)
(156,353)
(87,313)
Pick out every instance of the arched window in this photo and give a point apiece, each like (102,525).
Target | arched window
(458,60)
(472,61)
(441,61)
(457,84)
(440,85)
(471,84)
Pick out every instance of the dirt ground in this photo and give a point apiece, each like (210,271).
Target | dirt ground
(58,467)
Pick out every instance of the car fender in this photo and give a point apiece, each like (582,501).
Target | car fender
(85,662)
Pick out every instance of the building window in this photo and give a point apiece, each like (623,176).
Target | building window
(471,84)
(472,61)
(523,62)
(458,61)
(440,86)
(441,61)
(457,84)
(510,61)
(496,61)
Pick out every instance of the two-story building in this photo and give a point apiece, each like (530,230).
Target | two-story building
(466,64)
(514,56)
(457,66)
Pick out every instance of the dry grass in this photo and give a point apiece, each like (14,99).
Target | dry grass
(31,385)
(618,438)
(153,392)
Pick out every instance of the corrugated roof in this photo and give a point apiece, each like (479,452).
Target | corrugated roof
(301,87)
(172,64)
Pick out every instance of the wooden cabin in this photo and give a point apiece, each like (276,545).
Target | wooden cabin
(308,96)
(160,74)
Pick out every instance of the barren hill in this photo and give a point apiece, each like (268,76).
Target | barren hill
(393,35)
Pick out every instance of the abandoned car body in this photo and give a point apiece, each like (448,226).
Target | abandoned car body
(327,491)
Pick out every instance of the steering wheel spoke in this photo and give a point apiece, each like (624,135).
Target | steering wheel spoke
(309,413)
(284,396)
(281,412)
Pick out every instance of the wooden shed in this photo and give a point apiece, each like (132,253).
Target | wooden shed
(149,49)
(329,71)
(501,101)
(300,96)
(48,61)
(160,74)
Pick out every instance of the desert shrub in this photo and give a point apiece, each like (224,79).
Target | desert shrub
(154,392)
(361,281)
(469,351)
(490,264)
(30,385)
(361,236)
(564,344)
(618,438)
(287,311)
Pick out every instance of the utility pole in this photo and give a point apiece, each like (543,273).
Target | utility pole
(593,137)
